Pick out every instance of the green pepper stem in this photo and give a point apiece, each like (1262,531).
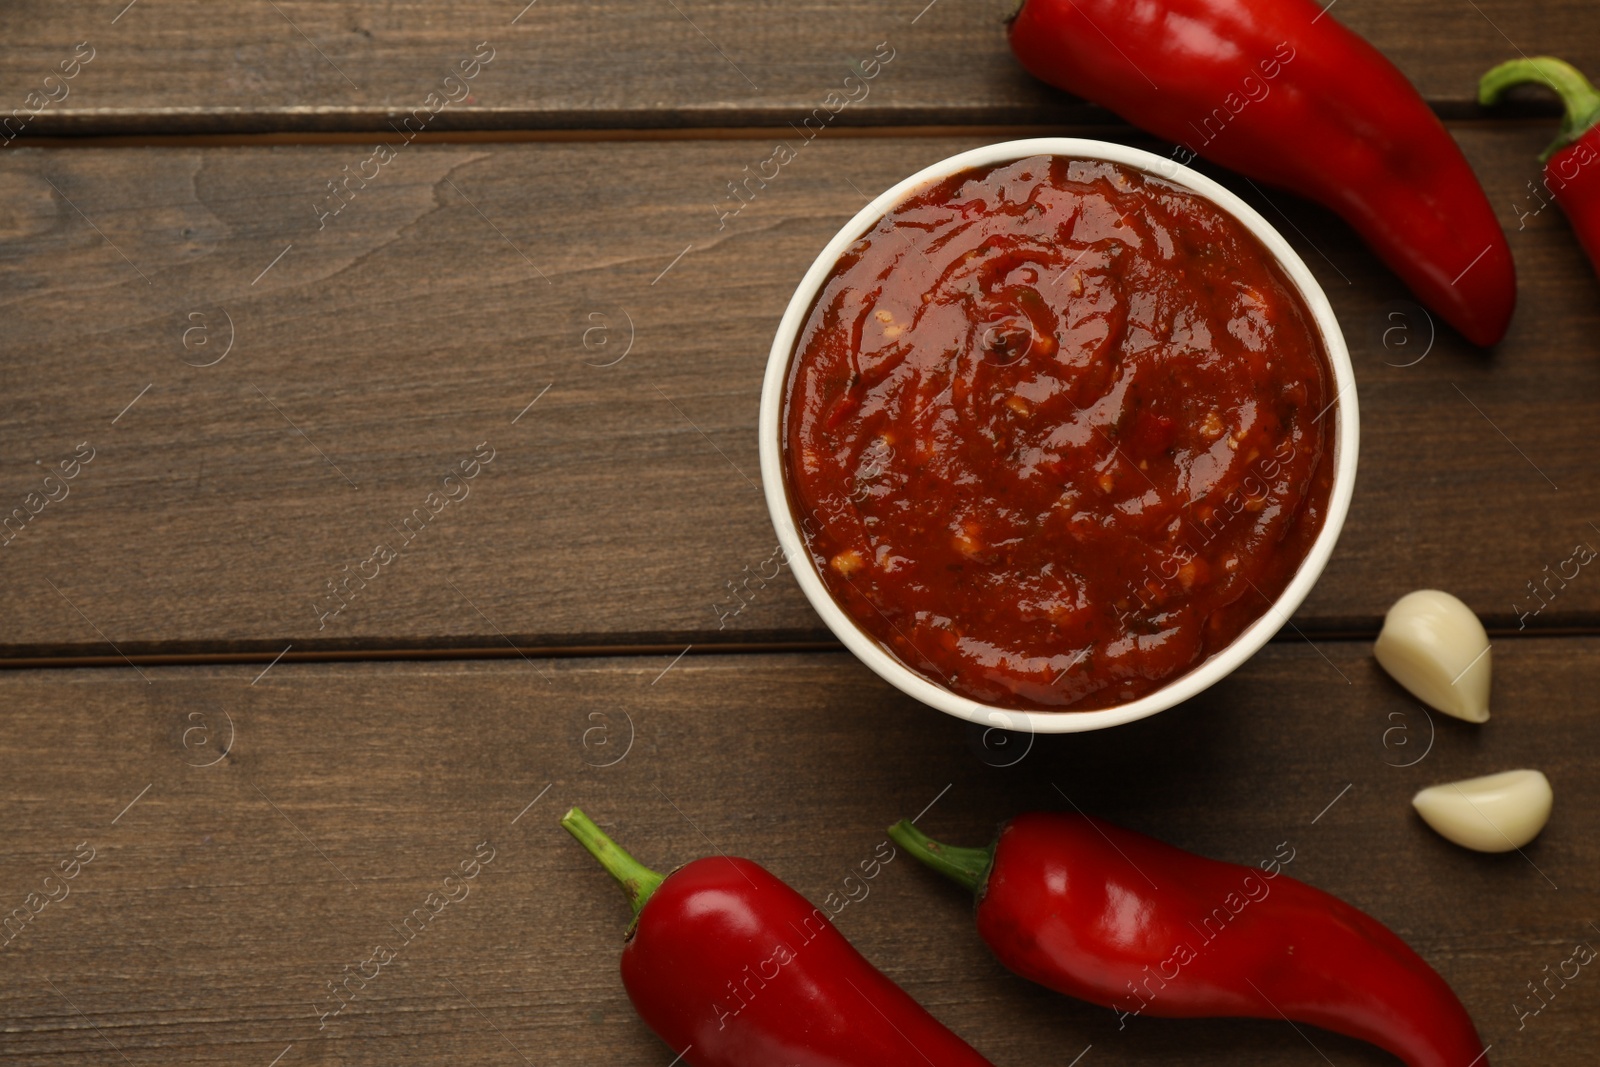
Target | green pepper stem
(1581,99)
(637,880)
(964,866)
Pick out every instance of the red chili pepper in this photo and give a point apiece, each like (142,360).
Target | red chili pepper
(1276,91)
(1571,172)
(1117,918)
(732,968)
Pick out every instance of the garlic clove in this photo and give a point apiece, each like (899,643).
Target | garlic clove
(1495,813)
(1435,646)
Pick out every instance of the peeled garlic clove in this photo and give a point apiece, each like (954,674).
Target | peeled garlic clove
(1495,813)
(1435,646)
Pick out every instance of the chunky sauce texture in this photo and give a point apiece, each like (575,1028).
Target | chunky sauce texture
(1057,431)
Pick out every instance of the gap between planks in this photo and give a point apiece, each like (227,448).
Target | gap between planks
(701,647)
(1000,131)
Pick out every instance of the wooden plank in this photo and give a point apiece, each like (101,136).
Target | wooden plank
(226,891)
(189,65)
(372,357)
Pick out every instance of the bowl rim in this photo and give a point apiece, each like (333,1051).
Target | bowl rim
(1346,440)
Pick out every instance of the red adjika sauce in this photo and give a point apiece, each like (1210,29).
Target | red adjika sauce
(1057,431)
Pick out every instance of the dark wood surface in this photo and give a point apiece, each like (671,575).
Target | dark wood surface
(218,906)
(254,833)
(167,65)
(380,351)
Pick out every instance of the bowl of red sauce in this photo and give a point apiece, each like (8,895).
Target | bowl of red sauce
(1057,433)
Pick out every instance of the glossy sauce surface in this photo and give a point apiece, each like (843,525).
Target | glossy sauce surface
(1056,431)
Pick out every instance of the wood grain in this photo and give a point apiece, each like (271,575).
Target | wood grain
(221,902)
(372,357)
(584,311)
(189,65)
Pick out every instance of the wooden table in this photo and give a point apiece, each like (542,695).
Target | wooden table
(259,389)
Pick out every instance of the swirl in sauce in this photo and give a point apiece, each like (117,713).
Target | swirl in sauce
(1055,431)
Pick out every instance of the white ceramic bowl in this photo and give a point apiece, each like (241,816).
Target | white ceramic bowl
(1345,439)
